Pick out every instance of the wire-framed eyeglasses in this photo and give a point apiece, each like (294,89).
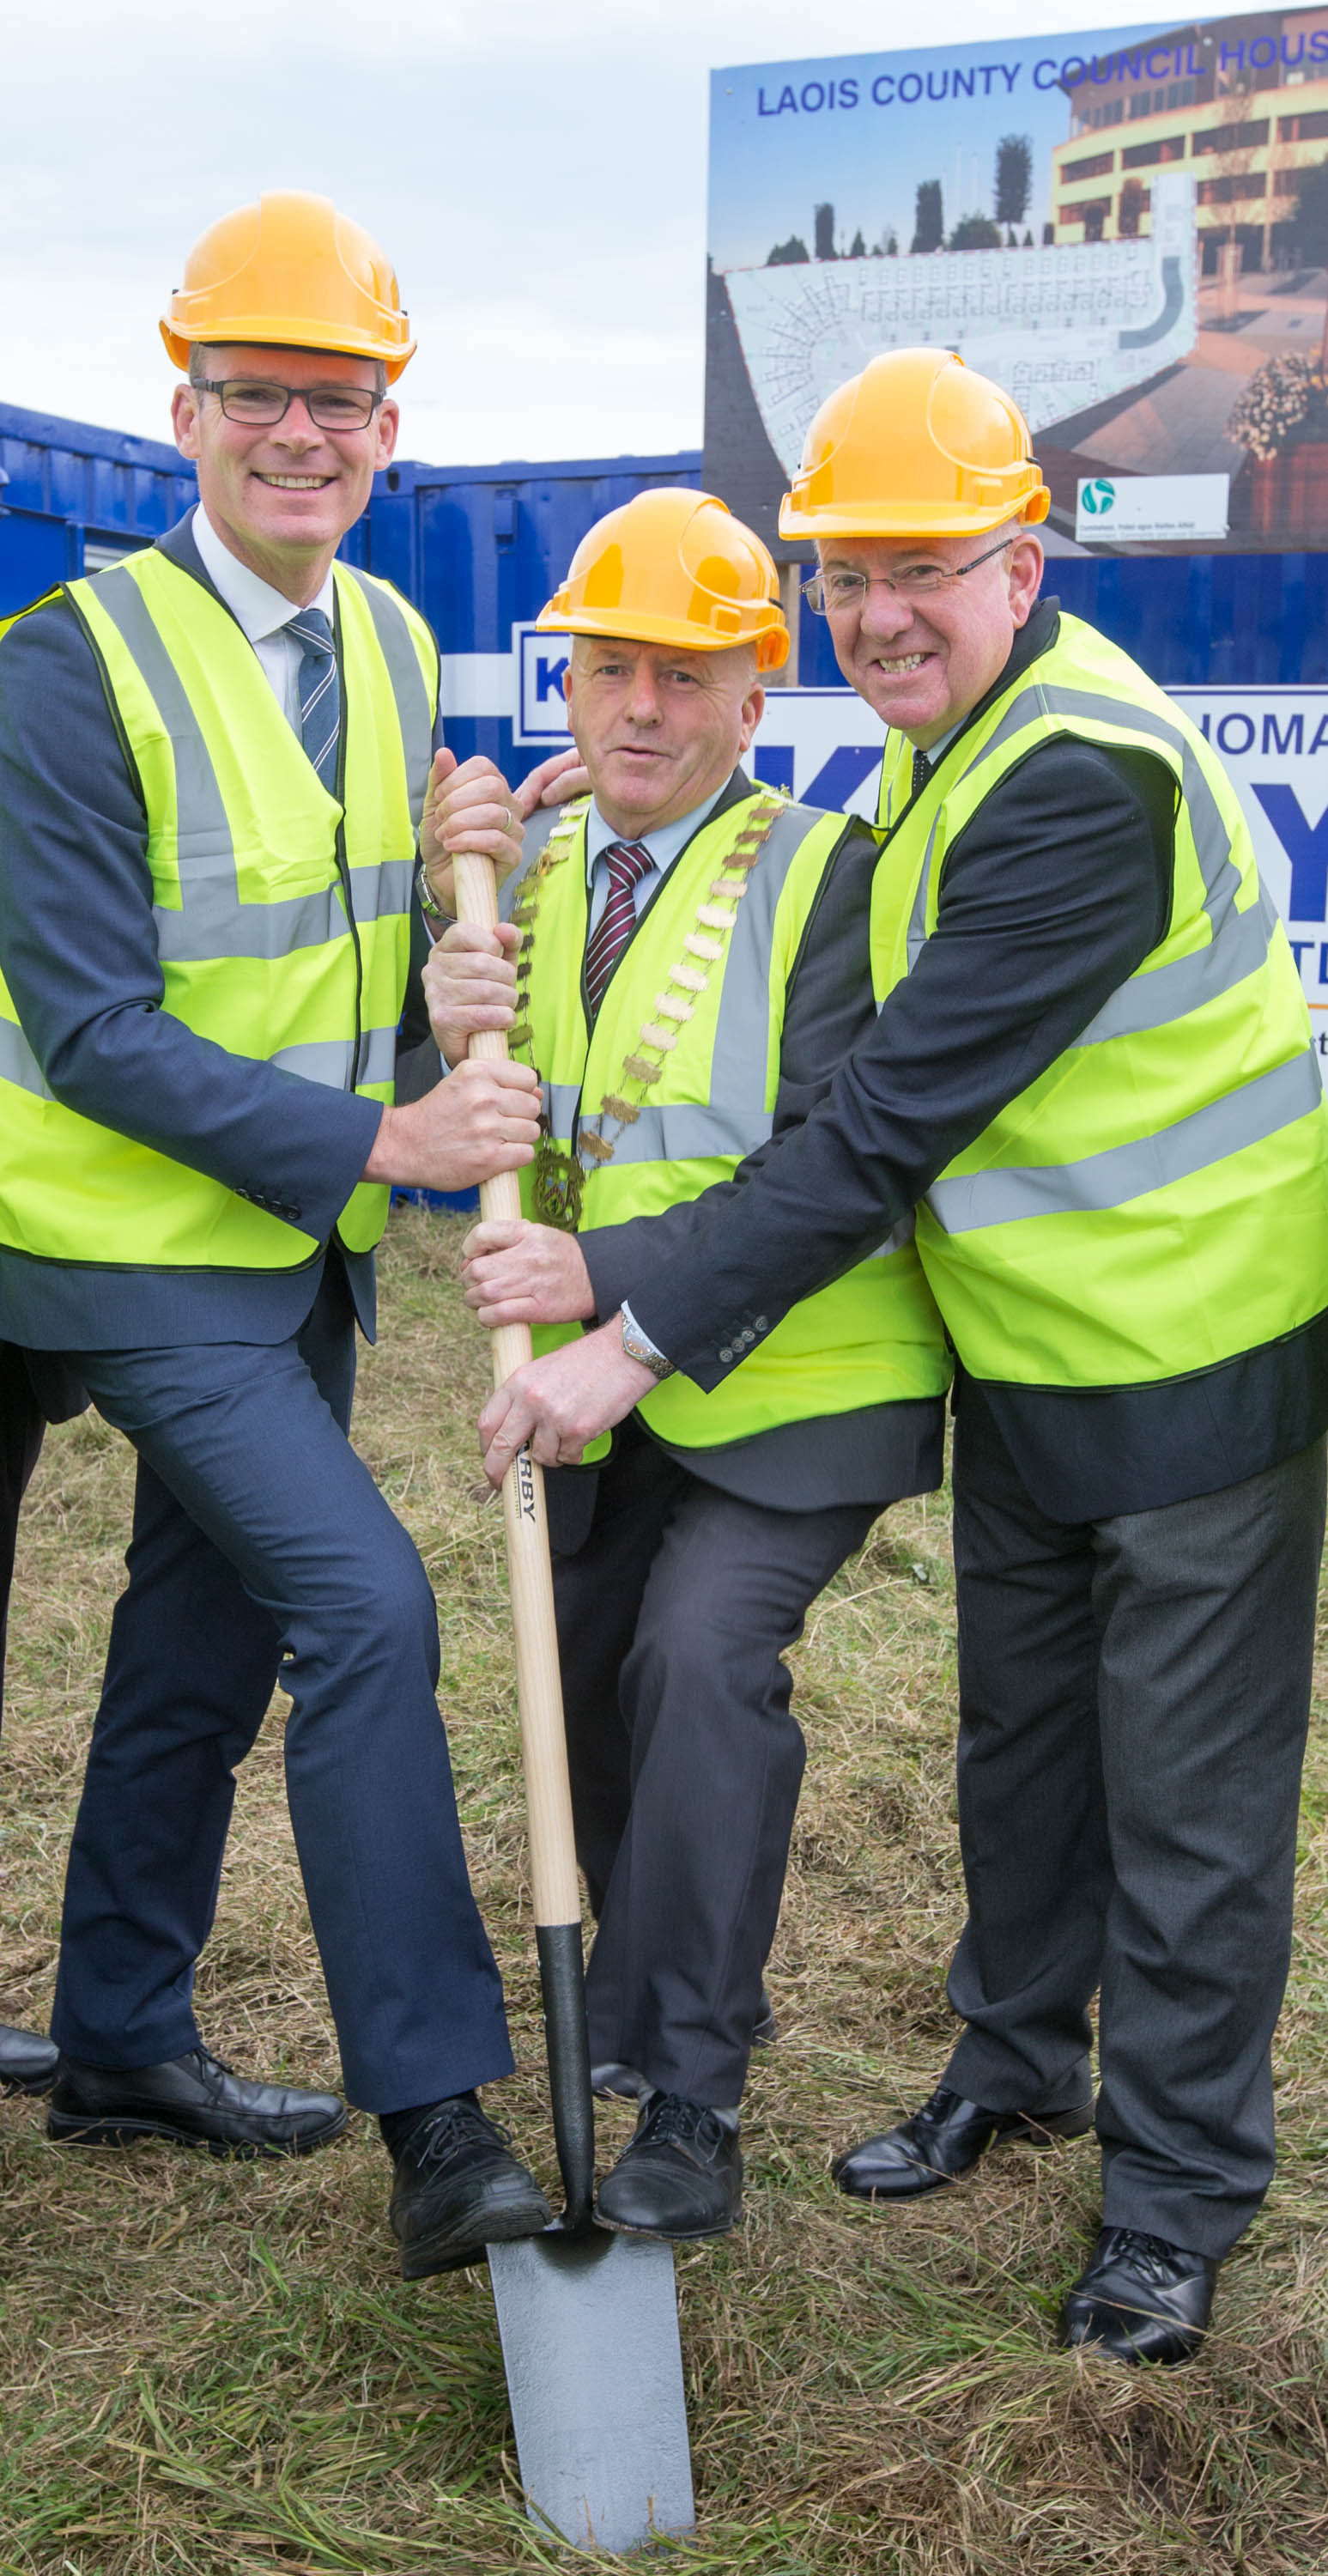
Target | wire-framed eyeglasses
(256,404)
(834,593)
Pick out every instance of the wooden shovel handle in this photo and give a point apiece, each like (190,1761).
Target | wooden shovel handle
(554,1886)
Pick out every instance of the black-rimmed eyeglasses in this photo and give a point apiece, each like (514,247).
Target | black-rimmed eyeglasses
(256,404)
(833,593)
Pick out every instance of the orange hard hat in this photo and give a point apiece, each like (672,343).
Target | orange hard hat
(918,445)
(290,273)
(673,567)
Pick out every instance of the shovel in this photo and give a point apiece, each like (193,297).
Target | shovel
(588,2321)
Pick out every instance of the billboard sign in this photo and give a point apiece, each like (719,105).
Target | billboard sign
(1128,229)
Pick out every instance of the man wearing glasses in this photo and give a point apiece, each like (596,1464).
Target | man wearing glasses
(1092,1075)
(214,761)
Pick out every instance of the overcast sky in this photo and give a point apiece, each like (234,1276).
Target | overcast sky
(537,173)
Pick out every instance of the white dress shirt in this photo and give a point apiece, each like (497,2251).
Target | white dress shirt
(262,612)
(665,845)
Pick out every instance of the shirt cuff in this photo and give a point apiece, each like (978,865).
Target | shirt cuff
(652,1350)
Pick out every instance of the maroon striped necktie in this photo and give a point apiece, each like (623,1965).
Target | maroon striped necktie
(628,862)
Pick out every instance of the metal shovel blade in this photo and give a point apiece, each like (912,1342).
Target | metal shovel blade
(589,2328)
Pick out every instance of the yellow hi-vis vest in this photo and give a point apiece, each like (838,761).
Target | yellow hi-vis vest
(282,918)
(1156,1202)
(873,1336)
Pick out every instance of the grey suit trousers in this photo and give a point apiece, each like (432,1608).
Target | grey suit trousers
(1134,1697)
(674,1608)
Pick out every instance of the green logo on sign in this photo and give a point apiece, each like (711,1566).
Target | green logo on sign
(1098,497)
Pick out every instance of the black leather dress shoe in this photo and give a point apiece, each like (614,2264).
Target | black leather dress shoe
(196,2101)
(27,2063)
(680,2177)
(457,2189)
(942,2141)
(1141,2298)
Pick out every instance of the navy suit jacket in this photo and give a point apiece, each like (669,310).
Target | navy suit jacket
(79,954)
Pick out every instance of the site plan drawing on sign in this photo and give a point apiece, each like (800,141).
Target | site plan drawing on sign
(1063,329)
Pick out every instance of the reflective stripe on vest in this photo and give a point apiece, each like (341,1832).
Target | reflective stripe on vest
(874,1335)
(1114,1224)
(737,1116)
(251,863)
(1239,940)
(213,920)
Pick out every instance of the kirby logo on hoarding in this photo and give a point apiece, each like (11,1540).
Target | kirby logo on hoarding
(1097,498)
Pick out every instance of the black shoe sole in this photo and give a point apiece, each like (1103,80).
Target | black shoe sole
(66,2129)
(1113,2342)
(1033,2132)
(441,2253)
(667,2235)
(17,2088)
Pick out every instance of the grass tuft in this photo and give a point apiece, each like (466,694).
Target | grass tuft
(215,2371)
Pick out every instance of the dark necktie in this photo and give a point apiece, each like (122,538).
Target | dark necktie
(921,771)
(320,692)
(628,862)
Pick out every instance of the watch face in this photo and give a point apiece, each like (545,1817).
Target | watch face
(637,1347)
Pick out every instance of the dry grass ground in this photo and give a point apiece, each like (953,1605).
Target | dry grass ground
(216,2370)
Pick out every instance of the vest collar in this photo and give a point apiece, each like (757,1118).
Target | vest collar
(179,547)
(260,610)
(1031,642)
(668,844)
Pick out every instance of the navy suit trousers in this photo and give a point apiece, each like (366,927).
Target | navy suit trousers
(22,1424)
(263,1550)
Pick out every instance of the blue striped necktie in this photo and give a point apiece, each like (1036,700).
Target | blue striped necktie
(320,692)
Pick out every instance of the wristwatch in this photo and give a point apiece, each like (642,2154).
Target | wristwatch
(428,899)
(639,1346)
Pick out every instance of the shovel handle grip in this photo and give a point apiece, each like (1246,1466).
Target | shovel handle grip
(554,1885)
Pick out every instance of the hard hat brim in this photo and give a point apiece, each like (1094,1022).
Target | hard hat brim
(259,331)
(910,519)
(639,627)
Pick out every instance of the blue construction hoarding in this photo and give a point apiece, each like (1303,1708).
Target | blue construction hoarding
(479,549)
(74,497)
(1241,640)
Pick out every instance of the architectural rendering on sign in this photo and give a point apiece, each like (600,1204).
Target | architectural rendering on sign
(1129,228)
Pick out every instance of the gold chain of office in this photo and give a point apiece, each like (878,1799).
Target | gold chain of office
(559,1176)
